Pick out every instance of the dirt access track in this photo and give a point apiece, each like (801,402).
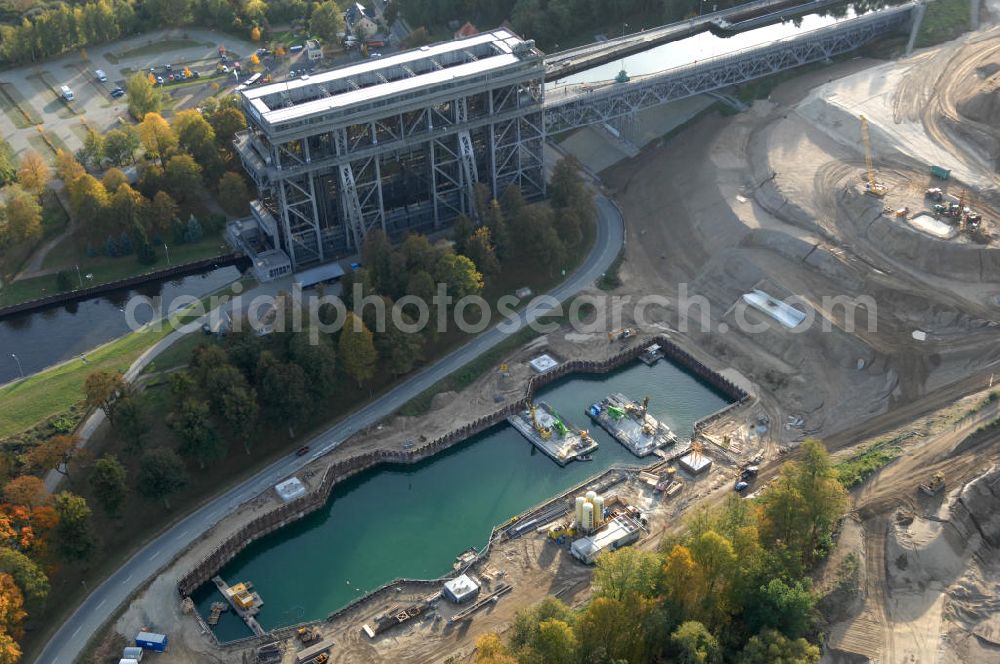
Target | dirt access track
(771,199)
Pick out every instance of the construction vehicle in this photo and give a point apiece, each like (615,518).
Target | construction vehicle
(935,194)
(307,635)
(872,186)
(321,659)
(616,412)
(933,487)
(621,333)
(902,213)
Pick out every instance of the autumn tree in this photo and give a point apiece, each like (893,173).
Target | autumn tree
(25,490)
(226,121)
(156,136)
(92,150)
(694,644)
(481,251)
(326,21)
(113,178)
(491,650)
(459,273)
(12,613)
(120,146)
(283,388)
(24,215)
(161,474)
(182,178)
(104,390)
(198,439)
(127,210)
(804,504)
(33,174)
(196,136)
(401,350)
(317,359)
(107,481)
(234,195)
(143,96)
(56,454)
(74,537)
(162,211)
(356,348)
(625,571)
(255,34)
(27,574)
(130,422)
(773,647)
(89,203)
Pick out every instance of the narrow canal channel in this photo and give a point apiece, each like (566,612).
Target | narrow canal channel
(42,338)
(411,521)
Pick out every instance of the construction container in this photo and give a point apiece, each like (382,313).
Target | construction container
(131,652)
(940,172)
(151,641)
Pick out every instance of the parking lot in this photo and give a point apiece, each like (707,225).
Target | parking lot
(34,115)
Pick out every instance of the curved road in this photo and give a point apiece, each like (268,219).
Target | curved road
(68,641)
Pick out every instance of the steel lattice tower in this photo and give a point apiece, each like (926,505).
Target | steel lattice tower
(396,143)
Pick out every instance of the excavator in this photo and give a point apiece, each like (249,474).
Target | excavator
(935,485)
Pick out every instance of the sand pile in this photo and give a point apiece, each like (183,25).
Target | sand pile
(922,552)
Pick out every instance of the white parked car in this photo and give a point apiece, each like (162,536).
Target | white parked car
(101,76)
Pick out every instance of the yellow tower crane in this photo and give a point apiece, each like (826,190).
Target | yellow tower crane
(873,186)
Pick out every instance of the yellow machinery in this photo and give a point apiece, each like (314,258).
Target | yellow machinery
(873,186)
(544,432)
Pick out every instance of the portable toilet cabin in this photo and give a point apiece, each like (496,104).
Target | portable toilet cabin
(132,652)
(151,641)
(128,661)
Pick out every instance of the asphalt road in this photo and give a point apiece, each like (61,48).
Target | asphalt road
(68,641)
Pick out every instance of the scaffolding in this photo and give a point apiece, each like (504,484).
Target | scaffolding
(399,143)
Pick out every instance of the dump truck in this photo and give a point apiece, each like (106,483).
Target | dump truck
(934,486)
(940,172)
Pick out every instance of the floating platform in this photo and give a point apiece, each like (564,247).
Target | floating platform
(244,600)
(652,355)
(628,422)
(556,438)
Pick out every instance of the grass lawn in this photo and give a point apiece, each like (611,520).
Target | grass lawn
(20,112)
(943,20)
(68,254)
(54,390)
(158,47)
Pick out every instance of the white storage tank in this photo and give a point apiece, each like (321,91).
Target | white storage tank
(580,502)
(591,495)
(588,517)
(598,510)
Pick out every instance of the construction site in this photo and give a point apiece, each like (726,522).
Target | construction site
(841,233)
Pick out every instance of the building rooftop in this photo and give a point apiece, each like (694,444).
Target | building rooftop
(392,76)
(614,531)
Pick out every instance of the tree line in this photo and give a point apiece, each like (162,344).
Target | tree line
(735,587)
(60,26)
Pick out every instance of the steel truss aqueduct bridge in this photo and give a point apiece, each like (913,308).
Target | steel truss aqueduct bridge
(400,142)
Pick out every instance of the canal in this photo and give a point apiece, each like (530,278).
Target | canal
(412,520)
(705,45)
(42,338)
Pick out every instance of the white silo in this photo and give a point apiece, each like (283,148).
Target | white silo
(580,502)
(598,510)
(588,517)
(591,495)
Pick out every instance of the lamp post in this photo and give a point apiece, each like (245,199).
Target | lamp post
(167,252)
(19,367)
(79,276)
